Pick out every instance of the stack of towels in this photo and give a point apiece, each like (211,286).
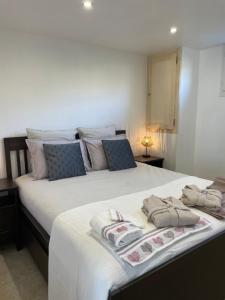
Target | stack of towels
(168,212)
(120,230)
(116,228)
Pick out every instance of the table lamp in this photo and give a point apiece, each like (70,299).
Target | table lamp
(147,143)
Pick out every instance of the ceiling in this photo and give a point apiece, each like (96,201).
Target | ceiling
(135,25)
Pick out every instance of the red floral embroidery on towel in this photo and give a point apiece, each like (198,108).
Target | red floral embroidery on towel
(122,228)
(179,229)
(158,240)
(134,256)
(202,222)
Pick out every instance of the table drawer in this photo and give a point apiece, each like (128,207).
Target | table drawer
(157,163)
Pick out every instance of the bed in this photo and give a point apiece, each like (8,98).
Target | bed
(43,199)
(191,274)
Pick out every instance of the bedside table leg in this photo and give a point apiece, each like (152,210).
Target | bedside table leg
(18,236)
(18,229)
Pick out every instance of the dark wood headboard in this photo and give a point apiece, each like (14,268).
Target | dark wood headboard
(18,144)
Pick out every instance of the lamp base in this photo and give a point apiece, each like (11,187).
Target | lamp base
(146,155)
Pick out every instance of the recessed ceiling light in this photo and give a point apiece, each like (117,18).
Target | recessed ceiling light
(88,4)
(173,30)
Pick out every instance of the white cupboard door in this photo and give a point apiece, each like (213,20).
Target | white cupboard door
(163,91)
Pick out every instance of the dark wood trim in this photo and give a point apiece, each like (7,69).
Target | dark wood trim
(40,234)
(35,239)
(190,275)
(15,144)
(7,185)
(118,132)
(151,160)
(9,222)
(26,161)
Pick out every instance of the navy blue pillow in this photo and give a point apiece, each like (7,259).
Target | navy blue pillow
(118,154)
(64,160)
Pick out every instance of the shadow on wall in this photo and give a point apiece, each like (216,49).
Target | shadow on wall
(164,145)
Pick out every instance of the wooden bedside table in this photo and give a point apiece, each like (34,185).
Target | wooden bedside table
(8,211)
(152,160)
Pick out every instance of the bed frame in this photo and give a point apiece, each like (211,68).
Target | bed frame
(196,274)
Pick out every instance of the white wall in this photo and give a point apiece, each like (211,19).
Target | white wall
(185,143)
(52,83)
(200,142)
(210,126)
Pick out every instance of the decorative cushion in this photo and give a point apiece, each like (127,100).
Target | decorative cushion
(118,154)
(38,162)
(64,161)
(97,154)
(97,133)
(47,135)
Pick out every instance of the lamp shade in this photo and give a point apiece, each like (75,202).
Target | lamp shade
(147,141)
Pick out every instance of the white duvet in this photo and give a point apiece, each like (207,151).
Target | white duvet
(45,199)
(80,268)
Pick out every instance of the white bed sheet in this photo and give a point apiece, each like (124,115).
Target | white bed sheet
(80,268)
(46,200)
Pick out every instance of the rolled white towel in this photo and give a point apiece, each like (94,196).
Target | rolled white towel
(117,216)
(115,227)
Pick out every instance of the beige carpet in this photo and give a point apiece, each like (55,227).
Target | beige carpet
(19,277)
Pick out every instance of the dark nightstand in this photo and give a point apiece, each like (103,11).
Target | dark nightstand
(8,211)
(152,160)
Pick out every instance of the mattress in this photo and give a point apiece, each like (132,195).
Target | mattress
(45,199)
(74,253)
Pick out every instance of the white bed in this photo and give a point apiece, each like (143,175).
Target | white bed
(81,268)
(45,200)
(65,207)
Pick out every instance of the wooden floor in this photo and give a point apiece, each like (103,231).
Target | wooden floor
(19,277)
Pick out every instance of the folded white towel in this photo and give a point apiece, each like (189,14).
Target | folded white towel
(118,216)
(116,227)
(115,215)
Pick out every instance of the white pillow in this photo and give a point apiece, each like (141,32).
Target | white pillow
(38,162)
(68,134)
(96,152)
(97,133)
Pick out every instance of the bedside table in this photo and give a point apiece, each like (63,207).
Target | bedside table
(8,211)
(152,160)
